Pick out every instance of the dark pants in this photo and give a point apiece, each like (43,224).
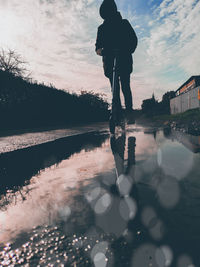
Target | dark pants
(124,79)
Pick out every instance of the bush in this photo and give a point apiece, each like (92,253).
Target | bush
(25,104)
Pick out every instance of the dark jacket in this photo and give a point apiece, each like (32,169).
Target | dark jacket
(116,33)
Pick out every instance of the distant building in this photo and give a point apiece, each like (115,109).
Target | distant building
(187,96)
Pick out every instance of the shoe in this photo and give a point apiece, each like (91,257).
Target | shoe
(120,117)
(130,116)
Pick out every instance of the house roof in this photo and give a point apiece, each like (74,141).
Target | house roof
(196,77)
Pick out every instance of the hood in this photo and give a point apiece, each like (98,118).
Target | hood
(115,18)
(107,9)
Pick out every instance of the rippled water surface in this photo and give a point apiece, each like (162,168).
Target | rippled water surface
(128,200)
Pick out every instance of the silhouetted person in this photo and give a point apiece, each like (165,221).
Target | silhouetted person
(116,33)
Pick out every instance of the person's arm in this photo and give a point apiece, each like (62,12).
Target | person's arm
(99,42)
(133,40)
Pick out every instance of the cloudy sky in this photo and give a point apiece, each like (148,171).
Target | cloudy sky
(57,38)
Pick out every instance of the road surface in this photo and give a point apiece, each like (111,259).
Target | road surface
(24,140)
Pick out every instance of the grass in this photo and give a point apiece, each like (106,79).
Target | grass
(185,117)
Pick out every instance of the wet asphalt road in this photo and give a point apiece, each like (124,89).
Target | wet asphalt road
(22,140)
(129,200)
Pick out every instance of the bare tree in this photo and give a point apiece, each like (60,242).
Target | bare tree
(12,62)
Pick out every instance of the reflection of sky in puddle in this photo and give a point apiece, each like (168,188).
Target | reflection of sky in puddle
(52,190)
(163,170)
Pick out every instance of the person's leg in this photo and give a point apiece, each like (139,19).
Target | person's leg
(126,89)
(117,93)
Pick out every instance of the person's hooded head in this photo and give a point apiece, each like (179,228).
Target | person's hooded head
(107,9)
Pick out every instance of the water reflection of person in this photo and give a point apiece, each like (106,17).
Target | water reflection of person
(118,150)
(127,189)
(125,182)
